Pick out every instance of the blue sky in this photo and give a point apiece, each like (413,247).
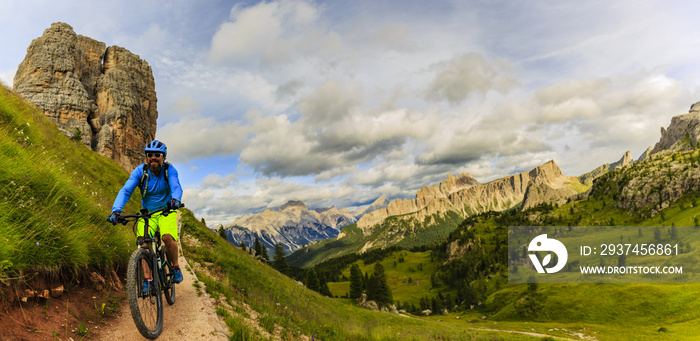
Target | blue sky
(340,102)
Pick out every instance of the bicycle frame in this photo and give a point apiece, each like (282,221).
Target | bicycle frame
(153,245)
(150,253)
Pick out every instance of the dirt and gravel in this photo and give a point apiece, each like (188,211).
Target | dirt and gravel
(192,317)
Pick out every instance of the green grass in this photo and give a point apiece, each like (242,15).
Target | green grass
(235,277)
(54,198)
(404,231)
(398,277)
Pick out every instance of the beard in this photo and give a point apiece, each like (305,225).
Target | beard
(155,167)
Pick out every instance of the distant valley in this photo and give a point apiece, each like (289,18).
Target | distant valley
(294,225)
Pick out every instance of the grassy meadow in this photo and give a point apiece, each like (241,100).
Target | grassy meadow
(409,280)
(55,194)
(258,302)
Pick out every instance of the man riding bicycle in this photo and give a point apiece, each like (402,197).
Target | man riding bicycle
(160,188)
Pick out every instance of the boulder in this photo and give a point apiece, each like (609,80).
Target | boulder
(103,96)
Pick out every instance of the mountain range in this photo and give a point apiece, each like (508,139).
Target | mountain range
(435,210)
(294,225)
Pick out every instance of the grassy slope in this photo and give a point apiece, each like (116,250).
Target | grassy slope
(617,310)
(54,197)
(398,277)
(284,307)
(392,231)
(613,311)
(606,311)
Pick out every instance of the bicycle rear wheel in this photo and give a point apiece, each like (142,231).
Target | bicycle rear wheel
(168,284)
(146,308)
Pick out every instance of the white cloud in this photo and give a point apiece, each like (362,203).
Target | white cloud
(7,77)
(334,132)
(185,106)
(200,137)
(469,74)
(395,37)
(271,32)
(218,181)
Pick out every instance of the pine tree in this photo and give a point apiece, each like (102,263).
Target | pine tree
(264,254)
(279,261)
(242,245)
(258,247)
(222,231)
(372,288)
(383,294)
(437,305)
(324,289)
(365,282)
(312,280)
(355,281)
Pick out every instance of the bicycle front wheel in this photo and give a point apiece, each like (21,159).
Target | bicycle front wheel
(146,304)
(167,278)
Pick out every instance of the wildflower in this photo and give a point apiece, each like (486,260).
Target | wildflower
(107,245)
(37,243)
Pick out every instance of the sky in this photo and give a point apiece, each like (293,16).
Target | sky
(337,103)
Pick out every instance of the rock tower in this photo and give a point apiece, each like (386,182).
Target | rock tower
(106,95)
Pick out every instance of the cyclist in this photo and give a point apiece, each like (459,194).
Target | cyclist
(160,188)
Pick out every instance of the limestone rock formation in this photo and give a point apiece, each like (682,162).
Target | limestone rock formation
(105,94)
(543,193)
(645,155)
(378,204)
(683,132)
(466,196)
(293,225)
(624,161)
(429,200)
(609,167)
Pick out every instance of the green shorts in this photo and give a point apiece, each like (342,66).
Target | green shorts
(167,225)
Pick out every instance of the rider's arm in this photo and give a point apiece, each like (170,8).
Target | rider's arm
(174,180)
(128,189)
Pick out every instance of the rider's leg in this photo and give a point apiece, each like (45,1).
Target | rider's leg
(144,264)
(168,229)
(171,249)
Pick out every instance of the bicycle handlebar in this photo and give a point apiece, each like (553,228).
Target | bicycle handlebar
(124,219)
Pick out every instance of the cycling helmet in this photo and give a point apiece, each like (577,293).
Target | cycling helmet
(156,146)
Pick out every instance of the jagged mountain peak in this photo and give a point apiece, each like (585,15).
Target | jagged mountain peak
(293,225)
(645,155)
(465,195)
(293,203)
(683,132)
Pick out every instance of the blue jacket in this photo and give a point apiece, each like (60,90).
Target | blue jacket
(158,194)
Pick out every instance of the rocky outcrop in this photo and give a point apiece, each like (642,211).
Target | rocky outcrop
(293,225)
(104,94)
(465,196)
(378,204)
(668,171)
(624,161)
(429,200)
(609,167)
(645,155)
(683,133)
(536,194)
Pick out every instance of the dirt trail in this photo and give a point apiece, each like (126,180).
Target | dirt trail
(192,317)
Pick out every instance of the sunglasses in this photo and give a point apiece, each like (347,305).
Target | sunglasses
(156,155)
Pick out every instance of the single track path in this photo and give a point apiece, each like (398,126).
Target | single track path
(192,317)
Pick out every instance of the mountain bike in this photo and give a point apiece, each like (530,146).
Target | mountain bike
(150,257)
